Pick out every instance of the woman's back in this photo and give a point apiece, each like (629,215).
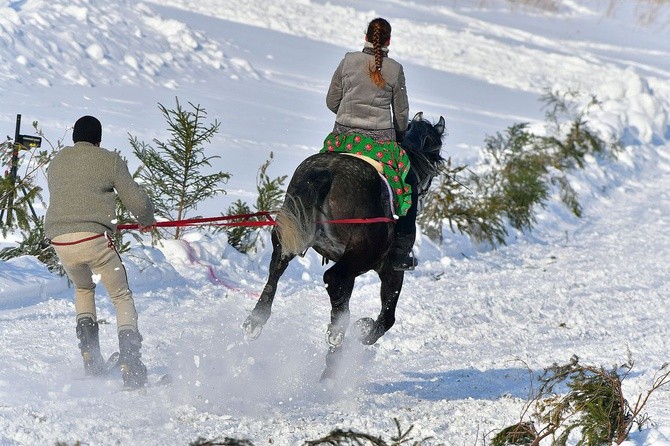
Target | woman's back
(359,102)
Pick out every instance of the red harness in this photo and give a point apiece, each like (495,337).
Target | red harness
(86,239)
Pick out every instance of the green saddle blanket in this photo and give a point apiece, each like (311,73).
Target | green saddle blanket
(391,156)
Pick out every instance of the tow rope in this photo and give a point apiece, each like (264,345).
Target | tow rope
(225,220)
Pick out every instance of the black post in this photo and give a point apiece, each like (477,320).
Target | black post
(15,152)
(9,198)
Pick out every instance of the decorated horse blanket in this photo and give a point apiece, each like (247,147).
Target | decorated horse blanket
(391,156)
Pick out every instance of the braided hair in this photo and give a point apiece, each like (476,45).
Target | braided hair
(379,34)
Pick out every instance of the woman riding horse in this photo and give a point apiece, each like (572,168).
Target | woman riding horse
(340,206)
(368,95)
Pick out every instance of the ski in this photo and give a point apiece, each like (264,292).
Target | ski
(163,380)
(111,363)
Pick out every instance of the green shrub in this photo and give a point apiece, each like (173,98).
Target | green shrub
(340,437)
(270,195)
(35,244)
(519,173)
(594,407)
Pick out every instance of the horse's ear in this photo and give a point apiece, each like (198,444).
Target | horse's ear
(440,125)
(418,117)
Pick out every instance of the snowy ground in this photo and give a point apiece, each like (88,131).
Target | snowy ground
(472,323)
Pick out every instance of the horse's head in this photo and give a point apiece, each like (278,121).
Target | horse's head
(423,143)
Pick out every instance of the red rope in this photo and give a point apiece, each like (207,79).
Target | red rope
(269,221)
(76,242)
(359,220)
(211,220)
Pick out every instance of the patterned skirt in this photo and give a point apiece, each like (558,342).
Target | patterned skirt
(390,154)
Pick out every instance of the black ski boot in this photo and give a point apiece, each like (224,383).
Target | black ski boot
(89,344)
(402,257)
(134,372)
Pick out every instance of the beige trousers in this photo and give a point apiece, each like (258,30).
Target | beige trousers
(97,256)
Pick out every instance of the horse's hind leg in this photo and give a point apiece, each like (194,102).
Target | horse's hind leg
(339,284)
(369,330)
(253,325)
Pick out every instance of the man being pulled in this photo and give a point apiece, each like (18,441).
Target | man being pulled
(84,181)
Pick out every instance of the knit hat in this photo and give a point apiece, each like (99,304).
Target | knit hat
(87,128)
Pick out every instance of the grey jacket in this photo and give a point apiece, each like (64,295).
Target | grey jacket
(359,103)
(82,183)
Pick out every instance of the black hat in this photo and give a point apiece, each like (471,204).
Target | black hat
(87,128)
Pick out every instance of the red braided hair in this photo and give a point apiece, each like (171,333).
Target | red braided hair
(379,34)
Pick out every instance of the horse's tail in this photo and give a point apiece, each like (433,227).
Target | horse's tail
(296,221)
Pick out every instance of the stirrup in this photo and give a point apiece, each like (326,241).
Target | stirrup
(407,263)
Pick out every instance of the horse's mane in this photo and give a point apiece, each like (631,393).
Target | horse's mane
(423,144)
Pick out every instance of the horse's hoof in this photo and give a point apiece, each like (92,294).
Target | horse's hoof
(327,377)
(363,327)
(334,336)
(366,330)
(333,359)
(252,328)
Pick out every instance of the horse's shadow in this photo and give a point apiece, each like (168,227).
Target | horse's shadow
(463,384)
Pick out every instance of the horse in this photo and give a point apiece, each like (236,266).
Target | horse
(340,206)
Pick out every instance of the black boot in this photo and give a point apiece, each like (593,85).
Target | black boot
(89,344)
(402,257)
(134,372)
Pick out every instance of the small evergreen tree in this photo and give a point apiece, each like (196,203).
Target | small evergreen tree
(123,216)
(452,201)
(509,186)
(270,191)
(270,195)
(18,190)
(172,172)
(238,236)
(520,172)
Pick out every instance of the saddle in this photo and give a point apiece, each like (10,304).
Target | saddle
(374,163)
(380,170)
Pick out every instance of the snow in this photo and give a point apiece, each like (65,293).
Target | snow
(473,323)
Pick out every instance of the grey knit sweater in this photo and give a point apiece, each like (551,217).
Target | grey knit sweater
(82,183)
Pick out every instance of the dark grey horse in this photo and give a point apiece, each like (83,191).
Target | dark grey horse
(325,189)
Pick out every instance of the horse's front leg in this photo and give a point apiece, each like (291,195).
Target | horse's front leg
(369,330)
(253,325)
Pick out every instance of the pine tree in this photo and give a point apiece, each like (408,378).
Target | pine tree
(172,172)
(124,216)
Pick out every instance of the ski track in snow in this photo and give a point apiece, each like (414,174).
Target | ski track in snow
(474,325)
